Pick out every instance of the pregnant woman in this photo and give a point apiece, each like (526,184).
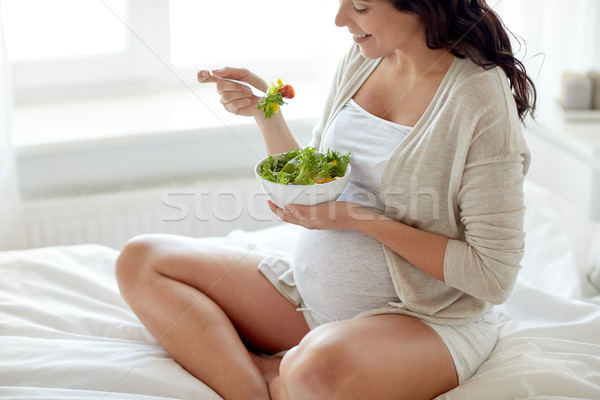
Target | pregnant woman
(389,294)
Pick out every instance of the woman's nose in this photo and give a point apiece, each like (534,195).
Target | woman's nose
(341,18)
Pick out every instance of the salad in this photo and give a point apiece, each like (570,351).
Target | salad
(305,167)
(274,98)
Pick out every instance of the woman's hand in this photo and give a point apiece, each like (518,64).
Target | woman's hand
(237,98)
(339,215)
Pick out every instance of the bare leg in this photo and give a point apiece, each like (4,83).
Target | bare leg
(380,357)
(203,303)
(268,366)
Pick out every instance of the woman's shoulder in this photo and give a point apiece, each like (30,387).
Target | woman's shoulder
(482,88)
(477,78)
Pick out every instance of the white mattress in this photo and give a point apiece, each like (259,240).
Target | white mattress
(65,332)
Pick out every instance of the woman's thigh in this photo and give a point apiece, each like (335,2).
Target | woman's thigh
(380,357)
(229,277)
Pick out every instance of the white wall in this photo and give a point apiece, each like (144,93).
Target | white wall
(559,36)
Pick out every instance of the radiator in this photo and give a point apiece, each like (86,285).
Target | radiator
(198,209)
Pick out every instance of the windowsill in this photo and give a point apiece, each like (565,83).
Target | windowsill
(116,142)
(122,119)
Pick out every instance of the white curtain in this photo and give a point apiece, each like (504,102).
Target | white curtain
(11,234)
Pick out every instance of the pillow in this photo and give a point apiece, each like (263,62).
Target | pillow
(561,245)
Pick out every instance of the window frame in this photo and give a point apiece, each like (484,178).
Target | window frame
(102,73)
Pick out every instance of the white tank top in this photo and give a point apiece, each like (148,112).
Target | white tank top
(342,273)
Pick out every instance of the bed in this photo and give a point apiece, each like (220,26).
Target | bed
(65,332)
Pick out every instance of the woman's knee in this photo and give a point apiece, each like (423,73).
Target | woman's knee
(137,258)
(320,366)
(158,256)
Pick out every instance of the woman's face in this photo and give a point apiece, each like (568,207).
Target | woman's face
(378,28)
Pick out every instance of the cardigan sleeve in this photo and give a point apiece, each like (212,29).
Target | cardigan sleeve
(485,262)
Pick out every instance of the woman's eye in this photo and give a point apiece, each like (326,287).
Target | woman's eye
(359,10)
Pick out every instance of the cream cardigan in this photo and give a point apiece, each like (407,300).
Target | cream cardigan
(460,174)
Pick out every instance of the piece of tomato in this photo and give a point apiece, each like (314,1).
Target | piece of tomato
(287,92)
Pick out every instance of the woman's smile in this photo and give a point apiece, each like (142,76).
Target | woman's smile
(360,38)
(378,28)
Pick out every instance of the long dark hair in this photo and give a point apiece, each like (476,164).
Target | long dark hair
(470,28)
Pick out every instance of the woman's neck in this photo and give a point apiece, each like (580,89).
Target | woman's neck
(419,63)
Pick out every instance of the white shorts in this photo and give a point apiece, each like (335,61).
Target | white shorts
(470,344)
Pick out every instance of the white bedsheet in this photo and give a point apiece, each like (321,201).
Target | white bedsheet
(64,326)
(65,332)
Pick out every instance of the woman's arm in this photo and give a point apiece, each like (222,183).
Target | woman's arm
(238,99)
(276,133)
(422,249)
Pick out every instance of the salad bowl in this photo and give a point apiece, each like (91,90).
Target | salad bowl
(282,194)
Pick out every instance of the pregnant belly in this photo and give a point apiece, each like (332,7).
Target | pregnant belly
(341,273)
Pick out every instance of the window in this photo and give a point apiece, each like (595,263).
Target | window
(72,47)
(122,67)
(52,31)
(66,48)
(280,30)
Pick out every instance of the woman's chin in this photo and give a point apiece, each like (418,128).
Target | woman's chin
(368,53)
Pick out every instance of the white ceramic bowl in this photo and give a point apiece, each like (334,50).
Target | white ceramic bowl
(305,195)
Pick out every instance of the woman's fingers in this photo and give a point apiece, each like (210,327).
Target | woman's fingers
(236,96)
(232,93)
(223,84)
(233,84)
(243,75)
(331,215)
(226,86)
(238,107)
(237,99)
(310,217)
(204,76)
